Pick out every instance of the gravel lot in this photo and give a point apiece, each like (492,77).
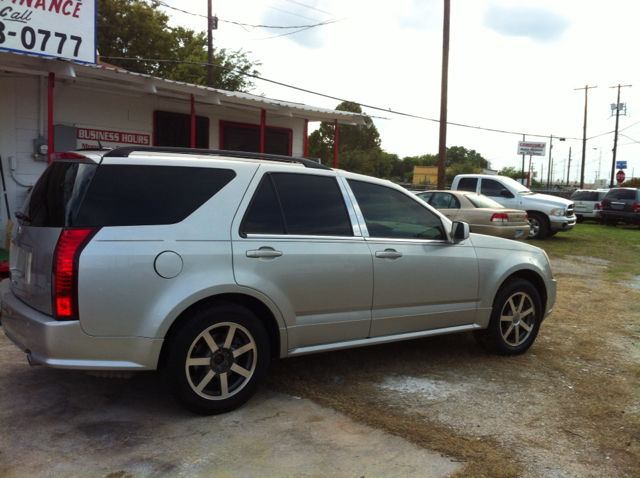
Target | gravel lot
(567,408)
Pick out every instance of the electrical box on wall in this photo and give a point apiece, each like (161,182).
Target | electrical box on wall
(65,138)
(40,148)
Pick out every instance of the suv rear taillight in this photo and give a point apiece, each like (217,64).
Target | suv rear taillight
(597,206)
(602,204)
(500,217)
(65,271)
(636,207)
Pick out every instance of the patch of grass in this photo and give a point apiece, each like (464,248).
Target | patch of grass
(620,245)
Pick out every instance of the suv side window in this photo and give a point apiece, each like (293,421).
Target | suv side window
(297,204)
(135,195)
(491,187)
(389,213)
(468,184)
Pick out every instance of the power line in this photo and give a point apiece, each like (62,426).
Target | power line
(342,100)
(327,22)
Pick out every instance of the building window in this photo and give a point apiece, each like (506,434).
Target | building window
(246,137)
(174,129)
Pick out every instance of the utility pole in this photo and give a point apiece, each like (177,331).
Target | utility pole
(615,139)
(442,149)
(569,167)
(210,27)
(523,176)
(584,132)
(549,173)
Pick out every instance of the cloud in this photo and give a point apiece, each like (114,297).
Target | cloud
(538,24)
(419,14)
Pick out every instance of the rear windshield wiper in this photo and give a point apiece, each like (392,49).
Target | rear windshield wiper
(22,216)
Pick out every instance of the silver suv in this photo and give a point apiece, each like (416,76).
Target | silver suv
(208,264)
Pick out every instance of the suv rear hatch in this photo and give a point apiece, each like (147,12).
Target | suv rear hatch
(52,205)
(621,200)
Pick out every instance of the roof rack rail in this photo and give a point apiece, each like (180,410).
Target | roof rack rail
(125,151)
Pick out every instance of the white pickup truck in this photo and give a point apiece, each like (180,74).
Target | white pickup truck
(547,214)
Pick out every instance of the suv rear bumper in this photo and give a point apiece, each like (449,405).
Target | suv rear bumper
(64,344)
(628,217)
(562,223)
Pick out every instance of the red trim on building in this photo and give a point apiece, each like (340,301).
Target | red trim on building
(50,145)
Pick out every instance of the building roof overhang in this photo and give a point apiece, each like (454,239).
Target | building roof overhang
(108,77)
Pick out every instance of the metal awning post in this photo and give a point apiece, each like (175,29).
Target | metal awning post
(335,146)
(263,121)
(193,122)
(52,84)
(306,139)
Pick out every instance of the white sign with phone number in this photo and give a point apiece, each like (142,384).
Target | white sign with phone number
(55,28)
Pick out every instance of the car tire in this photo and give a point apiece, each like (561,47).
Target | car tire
(515,319)
(539,227)
(218,359)
(579,219)
(610,221)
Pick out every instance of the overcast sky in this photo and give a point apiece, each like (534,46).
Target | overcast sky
(513,66)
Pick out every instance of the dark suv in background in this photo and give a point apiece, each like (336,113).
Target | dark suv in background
(621,205)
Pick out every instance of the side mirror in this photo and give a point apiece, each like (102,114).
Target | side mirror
(460,231)
(505,193)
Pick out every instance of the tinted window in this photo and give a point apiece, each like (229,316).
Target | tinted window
(425,196)
(490,187)
(264,215)
(174,129)
(310,206)
(132,195)
(389,213)
(468,184)
(621,194)
(585,196)
(56,196)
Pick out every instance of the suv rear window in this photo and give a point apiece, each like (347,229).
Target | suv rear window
(585,196)
(88,195)
(621,194)
(56,197)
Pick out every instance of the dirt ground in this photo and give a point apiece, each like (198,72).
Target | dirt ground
(567,408)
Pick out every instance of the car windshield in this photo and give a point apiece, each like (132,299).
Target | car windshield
(482,201)
(519,188)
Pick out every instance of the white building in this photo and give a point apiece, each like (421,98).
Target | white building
(65,105)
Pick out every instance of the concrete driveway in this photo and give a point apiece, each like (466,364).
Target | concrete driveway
(57,423)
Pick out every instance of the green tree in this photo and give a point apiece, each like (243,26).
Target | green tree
(358,146)
(135,29)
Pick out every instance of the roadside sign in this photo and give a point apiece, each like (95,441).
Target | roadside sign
(621,165)
(620,176)
(531,148)
(53,28)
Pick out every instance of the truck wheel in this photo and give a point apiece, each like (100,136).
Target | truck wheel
(515,319)
(539,227)
(579,219)
(218,359)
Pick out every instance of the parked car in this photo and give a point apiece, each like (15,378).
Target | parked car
(483,214)
(621,205)
(588,203)
(207,264)
(548,214)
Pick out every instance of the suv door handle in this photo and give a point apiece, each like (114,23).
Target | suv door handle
(264,253)
(389,254)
